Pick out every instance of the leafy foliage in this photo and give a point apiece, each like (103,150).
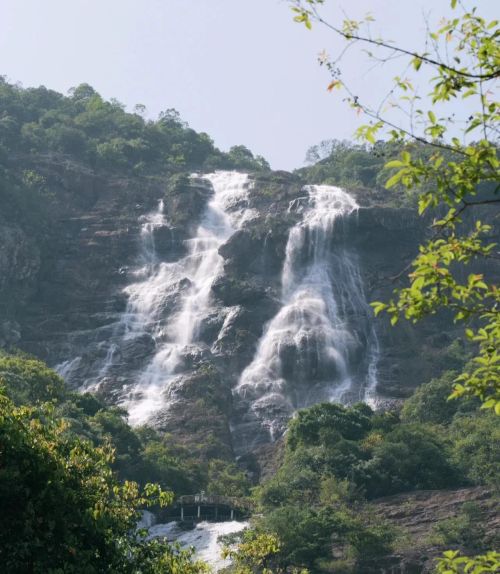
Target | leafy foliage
(226,479)
(476,447)
(460,175)
(62,508)
(30,381)
(308,426)
(103,135)
(429,403)
(255,554)
(337,459)
(453,563)
(464,530)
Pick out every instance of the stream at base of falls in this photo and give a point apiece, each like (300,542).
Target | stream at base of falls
(203,537)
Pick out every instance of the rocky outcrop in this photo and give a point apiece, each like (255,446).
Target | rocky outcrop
(198,413)
(19,267)
(415,517)
(66,298)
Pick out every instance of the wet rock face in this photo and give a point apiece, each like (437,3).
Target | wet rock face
(169,242)
(416,514)
(80,311)
(19,267)
(10,334)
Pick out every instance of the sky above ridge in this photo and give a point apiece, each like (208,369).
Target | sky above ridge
(240,70)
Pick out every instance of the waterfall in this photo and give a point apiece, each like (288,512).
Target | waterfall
(144,297)
(190,279)
(204,538)
(321,345)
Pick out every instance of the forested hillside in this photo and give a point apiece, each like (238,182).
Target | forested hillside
(65,452)
(335,426)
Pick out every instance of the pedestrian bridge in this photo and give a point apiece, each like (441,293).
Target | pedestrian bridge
(208,507)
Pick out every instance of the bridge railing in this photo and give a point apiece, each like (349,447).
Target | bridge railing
(214,500)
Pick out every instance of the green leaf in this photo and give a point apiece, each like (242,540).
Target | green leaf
(406,157)
(391,182)
(490,403)
(418,283)
(394,163)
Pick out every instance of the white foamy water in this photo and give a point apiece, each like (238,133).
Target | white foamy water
(320,346)
(203,538)
(308,350)
(190,278)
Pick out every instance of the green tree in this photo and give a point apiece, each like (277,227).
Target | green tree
(30,381)
(430,404)
(459,176)
(476,447)
(226,479)
(256,554)
(63,509)
(310,425)
(410,457)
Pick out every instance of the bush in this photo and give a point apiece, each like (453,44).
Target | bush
(371,541)
(305,533)
(226,479)
(29,381)
(464,530)
(314,425)
(430,404)
(476,447)
(410,457)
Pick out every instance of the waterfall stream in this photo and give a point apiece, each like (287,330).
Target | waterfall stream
(191,278)
(321,345)
(204,537)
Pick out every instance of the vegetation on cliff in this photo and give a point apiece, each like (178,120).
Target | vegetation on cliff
(100,134)
(43,133)
(65,451)
(337,459)
(74,475)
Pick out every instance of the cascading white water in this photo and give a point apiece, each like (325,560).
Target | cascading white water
(204,537)
(191,277)
(313,348)
(320,345)
(139,314)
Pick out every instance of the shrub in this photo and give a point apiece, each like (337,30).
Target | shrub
(29,381)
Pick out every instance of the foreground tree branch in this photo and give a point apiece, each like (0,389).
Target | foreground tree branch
(448,177)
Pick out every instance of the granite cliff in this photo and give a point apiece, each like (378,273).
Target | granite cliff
(68,294)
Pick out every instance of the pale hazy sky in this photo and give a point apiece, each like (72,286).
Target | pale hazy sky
(241,70)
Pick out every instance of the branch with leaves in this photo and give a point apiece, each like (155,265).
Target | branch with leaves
(461,174)
(453,562)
